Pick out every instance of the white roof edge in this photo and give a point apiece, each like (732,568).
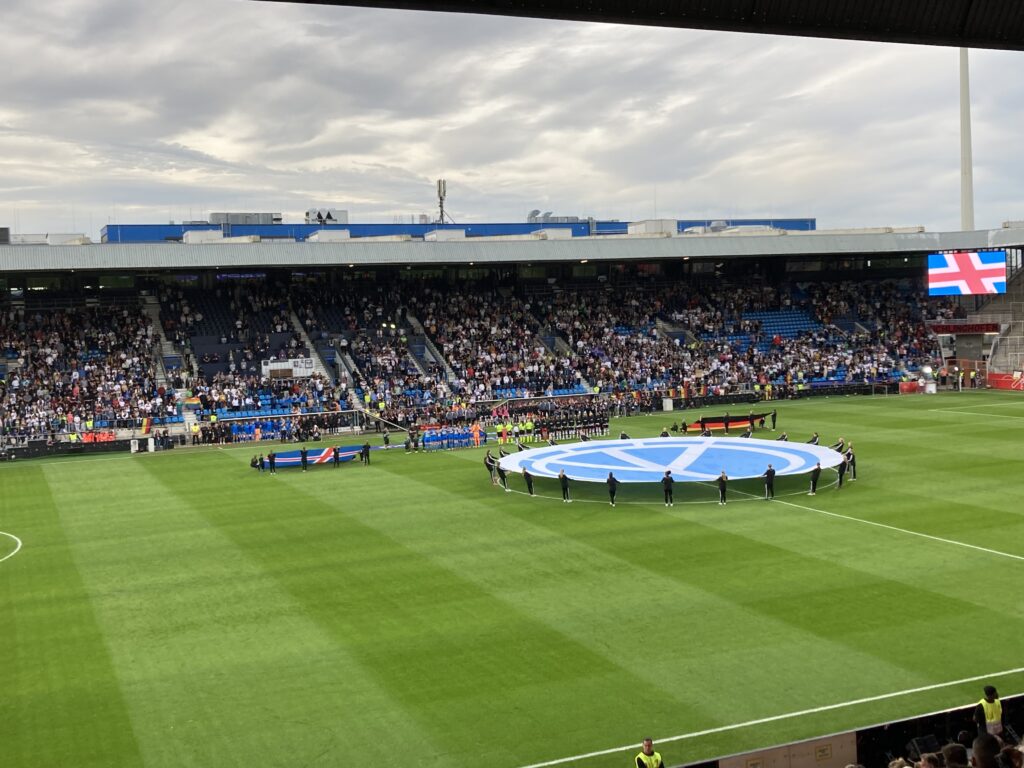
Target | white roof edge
(149,256)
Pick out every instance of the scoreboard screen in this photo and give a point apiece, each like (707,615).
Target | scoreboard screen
(966,273)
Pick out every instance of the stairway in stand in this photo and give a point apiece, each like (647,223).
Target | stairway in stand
(318,362)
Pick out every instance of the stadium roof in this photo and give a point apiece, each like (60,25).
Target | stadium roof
(967,23)
(265,255)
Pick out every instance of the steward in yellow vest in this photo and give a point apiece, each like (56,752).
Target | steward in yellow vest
(989,713)
(647,757)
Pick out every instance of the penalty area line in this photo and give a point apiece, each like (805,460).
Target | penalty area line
(17,546)
(776,718)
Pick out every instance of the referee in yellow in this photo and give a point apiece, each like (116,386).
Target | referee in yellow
(648,758)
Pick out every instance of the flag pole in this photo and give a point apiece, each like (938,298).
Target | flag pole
(966,159)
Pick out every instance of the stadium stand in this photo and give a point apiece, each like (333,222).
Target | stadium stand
(75,370)
(632,343)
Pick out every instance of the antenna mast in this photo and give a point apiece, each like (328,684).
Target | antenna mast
(442,193)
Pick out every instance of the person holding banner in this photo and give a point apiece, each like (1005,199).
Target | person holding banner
(769,483)
(613,488)
(490,463)
(529,481)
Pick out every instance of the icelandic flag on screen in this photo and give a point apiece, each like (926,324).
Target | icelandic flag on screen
(964,273)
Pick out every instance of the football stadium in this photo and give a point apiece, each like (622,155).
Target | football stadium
(296,491)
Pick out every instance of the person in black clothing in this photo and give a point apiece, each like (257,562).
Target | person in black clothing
(815,475)
(725,421)
(563,480)
(664,432)
(769,483)
(723,480)
(584,437)
(841,469)
(336,456)
(840,446)
(684,427)
(304,458)
(623,436)
(613,487)
(773,415)
(750,421)
(502,453)
(666,484)
(254,462)
(503,478)
(783,437)
(491,464)
(814,439)
(272,460)
(520,447)
(746,432)
(529,481)
(851,461)
(703,425)
(387,439)
(365,454)
(263,463)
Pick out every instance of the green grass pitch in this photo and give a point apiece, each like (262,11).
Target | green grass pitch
(176,609)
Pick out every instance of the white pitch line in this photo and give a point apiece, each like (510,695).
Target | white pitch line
(903,530)
(776,718)
(911,533)
(974,414)
(895,528)
(1015,401)
(17,547)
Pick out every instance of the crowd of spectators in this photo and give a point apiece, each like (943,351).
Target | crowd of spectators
(87,365)
(489,339)
(72,370)
(231,393)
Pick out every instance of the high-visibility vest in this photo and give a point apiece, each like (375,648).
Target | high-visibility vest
(651,761)
(993,713)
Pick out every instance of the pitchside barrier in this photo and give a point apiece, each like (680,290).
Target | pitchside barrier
(872,745)
(36,449)
(1008,381)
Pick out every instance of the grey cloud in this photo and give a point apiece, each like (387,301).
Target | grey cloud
(167,105)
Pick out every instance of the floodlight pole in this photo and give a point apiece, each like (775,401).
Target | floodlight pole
(966,160)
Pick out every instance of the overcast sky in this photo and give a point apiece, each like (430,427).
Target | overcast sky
(131,112)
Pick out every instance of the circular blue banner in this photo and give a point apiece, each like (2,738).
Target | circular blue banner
(690,459)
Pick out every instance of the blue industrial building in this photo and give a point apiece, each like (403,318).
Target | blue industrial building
(158,233)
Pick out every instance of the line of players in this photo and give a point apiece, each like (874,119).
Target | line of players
(499,476)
